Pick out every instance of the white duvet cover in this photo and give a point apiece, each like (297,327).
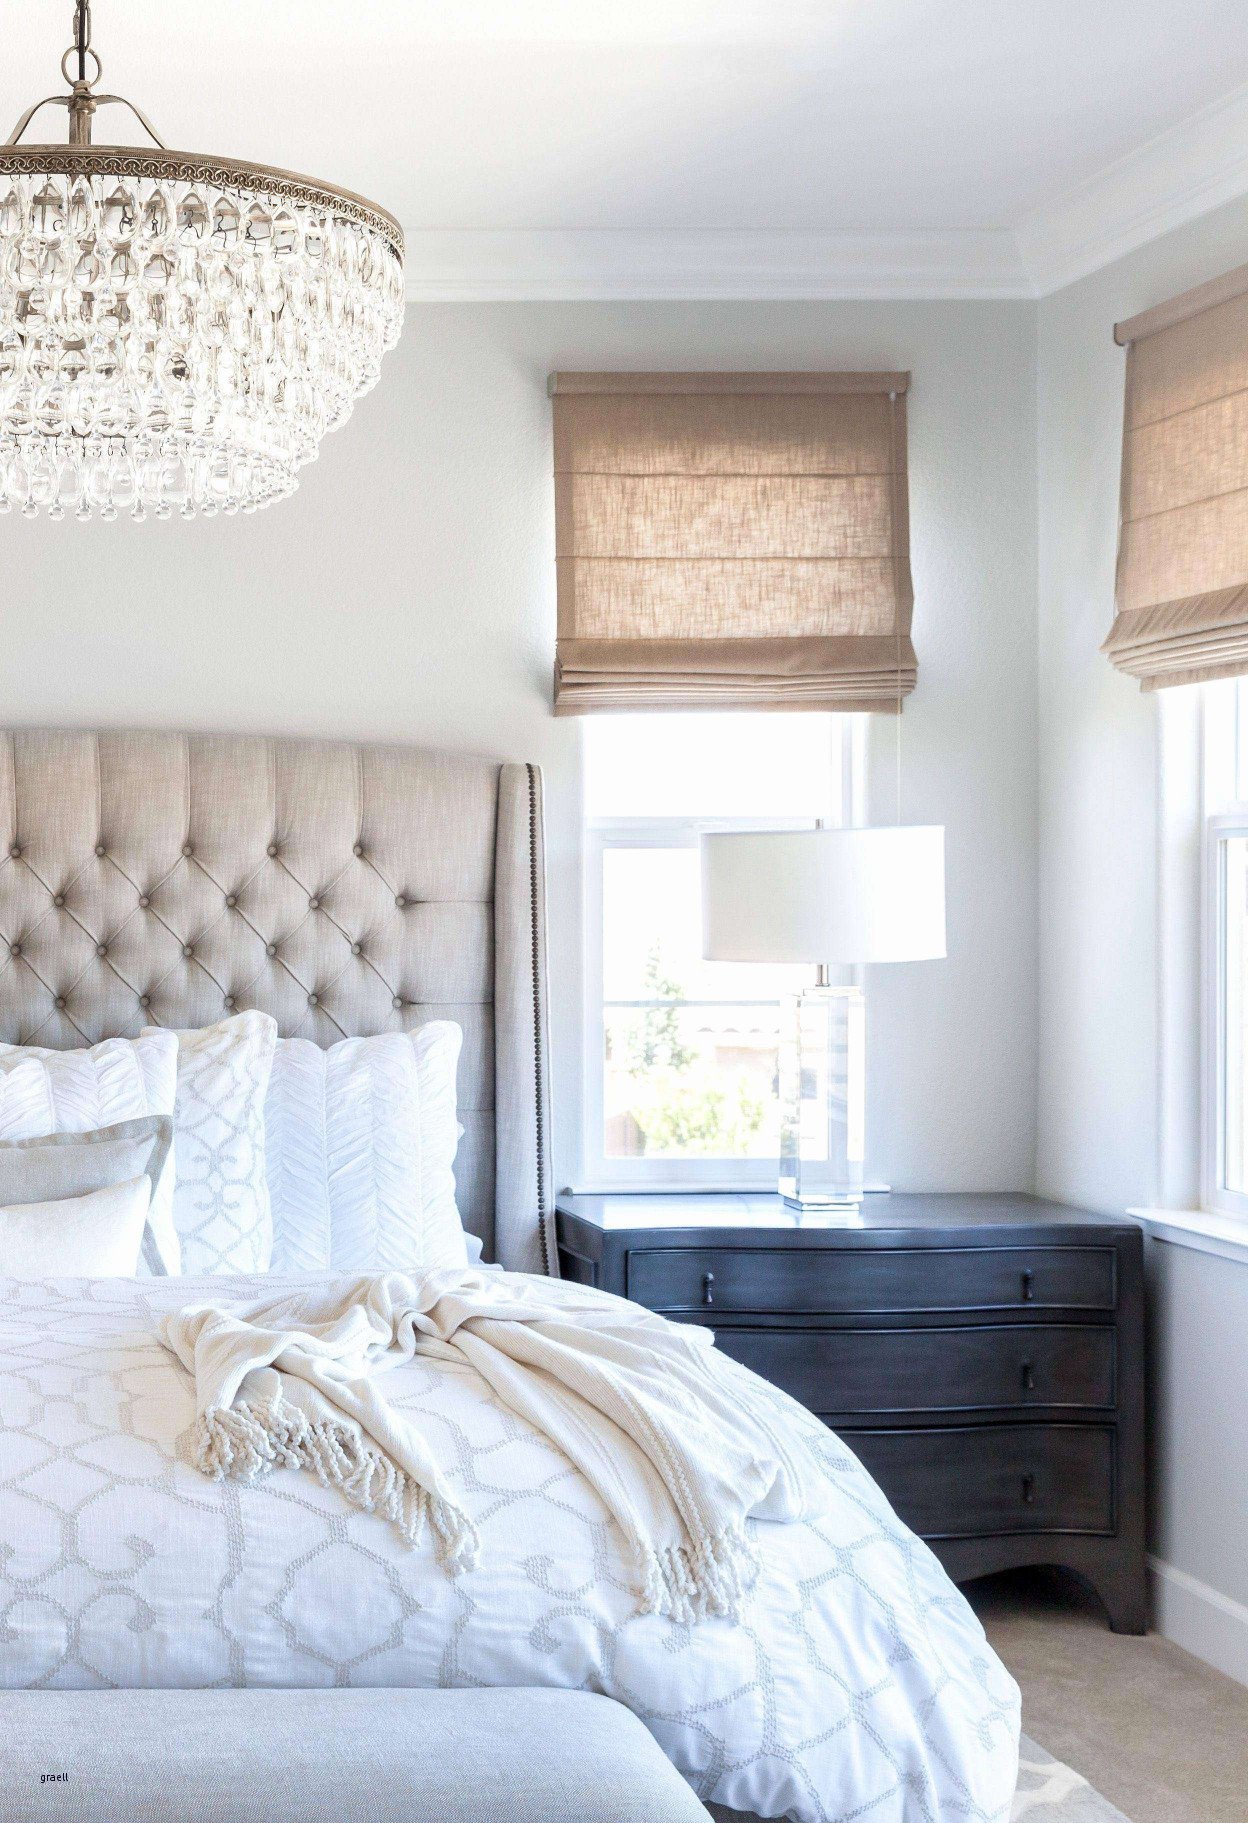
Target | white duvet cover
(858,1686)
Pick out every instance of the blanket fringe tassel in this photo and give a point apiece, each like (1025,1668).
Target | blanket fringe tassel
(246,1440)
(687,1583)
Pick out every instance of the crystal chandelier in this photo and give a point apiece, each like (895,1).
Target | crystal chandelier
(176,331)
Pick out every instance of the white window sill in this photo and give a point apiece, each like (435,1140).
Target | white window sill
(1225,1236)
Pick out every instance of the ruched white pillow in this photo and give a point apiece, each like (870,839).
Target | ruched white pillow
(45,1091)
(360,1148)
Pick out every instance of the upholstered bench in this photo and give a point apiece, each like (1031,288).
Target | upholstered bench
(332,1756)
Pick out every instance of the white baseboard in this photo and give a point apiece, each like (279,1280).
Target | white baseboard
(1201,1619)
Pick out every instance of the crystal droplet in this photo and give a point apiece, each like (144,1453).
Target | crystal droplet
(157,221)
(47,209)
(225,222)
(120,215)
(81,210)
(192,217)
(259,226)
(10,209)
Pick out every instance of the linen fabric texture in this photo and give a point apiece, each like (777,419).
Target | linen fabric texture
(169,880)
(732,541)
(1182,583)
(221,1205)
(422,1756)
(360,1149)
(61,1165)
(92,1236)
(45,1092)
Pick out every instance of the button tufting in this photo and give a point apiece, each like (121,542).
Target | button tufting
(314,905)
(101,949)
(145,1000)
(59,899)
(357,949)
(229,1000)
(187,850)
(99,849)
(270,949)
(272,849)
(313,1000)
(144,902)
(60,1003)
(398,1000)
(231,901)
(400,901)
(188,950)
(15,949)
(16,851)
(358,851)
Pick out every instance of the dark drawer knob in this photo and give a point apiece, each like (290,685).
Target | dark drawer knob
(1029,1377)
(708,1287)
(1029,1287)
(1029,1489)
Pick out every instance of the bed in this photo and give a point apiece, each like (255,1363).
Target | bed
(163,879)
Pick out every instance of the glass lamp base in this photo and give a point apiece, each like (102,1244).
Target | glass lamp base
(822,1099)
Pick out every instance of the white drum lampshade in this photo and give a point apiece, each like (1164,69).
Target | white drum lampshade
(832,897)
(824,895)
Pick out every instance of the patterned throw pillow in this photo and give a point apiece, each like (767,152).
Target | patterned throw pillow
(221,1199)
(44,1092)
(361,1142)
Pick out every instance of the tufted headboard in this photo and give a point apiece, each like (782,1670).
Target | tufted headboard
(169,879)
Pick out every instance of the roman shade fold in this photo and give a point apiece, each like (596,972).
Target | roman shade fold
(731,541)
(1182,586)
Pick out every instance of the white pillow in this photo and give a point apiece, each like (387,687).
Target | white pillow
(361,1145)
(55,1166)
(43,1092)
(221,1203)
(96,1236)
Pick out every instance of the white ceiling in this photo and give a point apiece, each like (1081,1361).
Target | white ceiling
(727,136)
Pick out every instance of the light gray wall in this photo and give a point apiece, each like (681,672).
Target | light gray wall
(1118,1012)
(407,592)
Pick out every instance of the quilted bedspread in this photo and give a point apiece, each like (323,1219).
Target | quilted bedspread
(858,1685)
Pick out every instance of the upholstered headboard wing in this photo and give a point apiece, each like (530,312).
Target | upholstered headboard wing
(170,879)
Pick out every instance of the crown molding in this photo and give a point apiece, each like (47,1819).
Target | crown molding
(1171,179)
(1181,174)
(473,266)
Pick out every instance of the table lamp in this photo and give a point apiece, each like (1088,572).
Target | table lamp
(827,896)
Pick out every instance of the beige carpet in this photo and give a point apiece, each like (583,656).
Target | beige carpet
(1160,1734)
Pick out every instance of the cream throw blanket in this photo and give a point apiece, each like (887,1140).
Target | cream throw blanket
(681,1444)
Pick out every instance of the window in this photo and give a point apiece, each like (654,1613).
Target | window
(681,1054)
(1225,963)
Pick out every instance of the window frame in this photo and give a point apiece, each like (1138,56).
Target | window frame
(1224,795)
(659,1175)
(1216,1195)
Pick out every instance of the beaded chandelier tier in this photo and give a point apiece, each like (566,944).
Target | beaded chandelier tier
(177,332)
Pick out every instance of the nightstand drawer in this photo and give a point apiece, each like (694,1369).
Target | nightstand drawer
(995,1478)
(863,1280)
(929,1370)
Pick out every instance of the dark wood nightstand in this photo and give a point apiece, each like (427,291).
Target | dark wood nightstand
(982,1355)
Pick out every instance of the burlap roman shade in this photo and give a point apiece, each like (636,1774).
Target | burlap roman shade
(1182,594)
(732,541)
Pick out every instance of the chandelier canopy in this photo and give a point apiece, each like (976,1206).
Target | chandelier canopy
(176,331)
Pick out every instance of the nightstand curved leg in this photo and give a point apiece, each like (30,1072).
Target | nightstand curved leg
(1122,1590)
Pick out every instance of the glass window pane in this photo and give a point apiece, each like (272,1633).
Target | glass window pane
(712,766)
(691,1082)
(652,935)
(1235,1011)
